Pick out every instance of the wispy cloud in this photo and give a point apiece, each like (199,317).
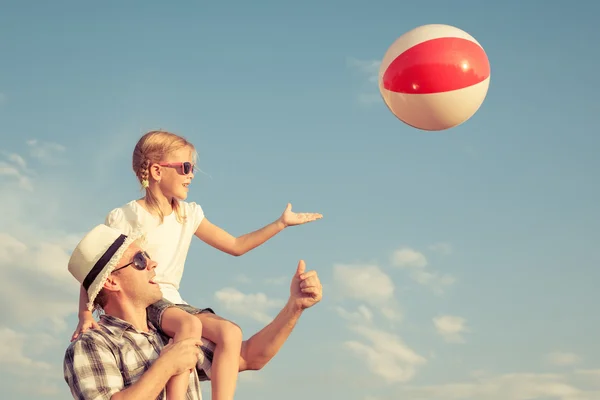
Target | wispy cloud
(416,264)
(368,71)
(13,168)
(408,258)
(442,248)
(257,306)
(385,354)
(17,160)
(3,99)
(367,283)
(36,282)
(243,279)
(14,172)
(280,280)
(515,386)
(38,292)
(451,328)
(363,314)
(368,68)
(47,152)
(562,359)
(382,352)
(12,346)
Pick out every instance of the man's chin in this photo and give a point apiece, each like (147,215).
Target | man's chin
(155,297)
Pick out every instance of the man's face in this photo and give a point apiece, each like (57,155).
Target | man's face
(137,285)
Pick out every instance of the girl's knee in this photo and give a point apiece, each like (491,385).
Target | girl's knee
(230,332)
(183,325)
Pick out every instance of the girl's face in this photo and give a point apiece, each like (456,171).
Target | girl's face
(176,173)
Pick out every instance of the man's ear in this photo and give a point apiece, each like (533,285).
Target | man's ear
(111,284)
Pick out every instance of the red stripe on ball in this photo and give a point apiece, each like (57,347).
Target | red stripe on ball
(437,65)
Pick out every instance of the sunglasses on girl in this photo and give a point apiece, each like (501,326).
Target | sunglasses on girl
(140,261)
(185,167)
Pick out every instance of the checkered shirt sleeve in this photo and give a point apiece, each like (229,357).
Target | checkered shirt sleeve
(91,370)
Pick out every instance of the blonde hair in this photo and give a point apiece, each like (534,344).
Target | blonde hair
(152,148)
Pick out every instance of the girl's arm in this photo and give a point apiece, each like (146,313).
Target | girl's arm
(236,246)
(86,318)
(83,300)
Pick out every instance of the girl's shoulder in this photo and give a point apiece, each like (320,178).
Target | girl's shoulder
(192,211)
(126,218)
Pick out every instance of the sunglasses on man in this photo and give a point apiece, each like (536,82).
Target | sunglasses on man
(184,167)
(140,261)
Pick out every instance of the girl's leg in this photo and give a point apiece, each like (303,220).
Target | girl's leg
(227,337)
(179,325)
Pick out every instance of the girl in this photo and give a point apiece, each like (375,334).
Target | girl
(164,164)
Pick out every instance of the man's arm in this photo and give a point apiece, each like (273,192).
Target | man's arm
(92,372)
(264,345)
(305,291)
(149,386)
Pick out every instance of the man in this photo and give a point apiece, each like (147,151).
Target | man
(126,357)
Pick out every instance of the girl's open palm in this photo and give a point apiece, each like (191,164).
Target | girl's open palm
(290,218)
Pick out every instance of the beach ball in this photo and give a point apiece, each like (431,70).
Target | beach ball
(434,77)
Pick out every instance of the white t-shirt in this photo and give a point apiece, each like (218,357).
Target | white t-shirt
(167,243)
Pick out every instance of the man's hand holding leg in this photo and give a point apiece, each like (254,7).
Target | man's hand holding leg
(174,359)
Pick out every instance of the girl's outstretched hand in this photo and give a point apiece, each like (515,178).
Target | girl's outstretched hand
(290,218)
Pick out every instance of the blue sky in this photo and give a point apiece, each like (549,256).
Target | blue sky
(456,264)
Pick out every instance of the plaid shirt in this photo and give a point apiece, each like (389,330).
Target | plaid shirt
(104,361)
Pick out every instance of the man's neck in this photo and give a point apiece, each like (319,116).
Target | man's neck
(129,313)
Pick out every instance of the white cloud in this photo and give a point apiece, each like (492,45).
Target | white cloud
(3,99)
(47,152)
(19,362)
(416,264)
(280,280)
(442,248)
(37,292)
(33,260)
(563,359)
(369,68)
(17,159)
(451,328)
(256,306)
(408,258)
(244,279)
(515,386)
(369,284)
(595,373)
(386,356)
(362,314)
(11,351)
(12,173)
(36,282)
(363,282)
(433,280)
(369,71)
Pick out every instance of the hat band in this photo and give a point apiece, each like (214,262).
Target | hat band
(101,263)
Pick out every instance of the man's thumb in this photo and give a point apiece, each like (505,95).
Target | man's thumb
(301,268)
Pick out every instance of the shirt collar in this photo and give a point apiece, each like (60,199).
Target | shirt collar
(117,326)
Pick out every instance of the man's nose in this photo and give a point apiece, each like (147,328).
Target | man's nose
(151,265)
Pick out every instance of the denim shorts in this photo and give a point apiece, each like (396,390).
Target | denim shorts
(156,310)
